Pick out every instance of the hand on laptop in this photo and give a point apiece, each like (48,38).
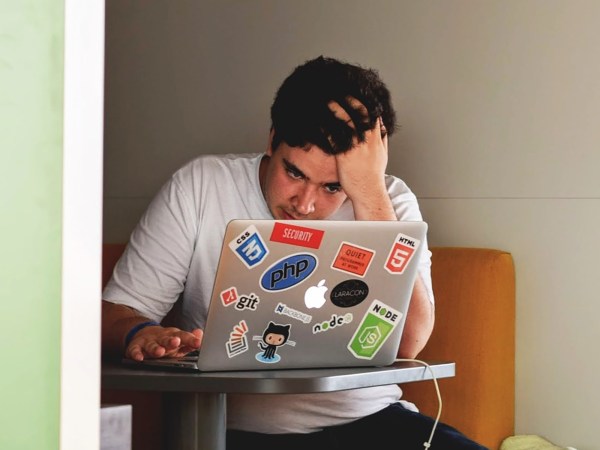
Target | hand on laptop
(160,342)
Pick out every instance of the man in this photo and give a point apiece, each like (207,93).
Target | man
(326,159)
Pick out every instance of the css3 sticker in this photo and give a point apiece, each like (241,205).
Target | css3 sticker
(249,247)
(376,326)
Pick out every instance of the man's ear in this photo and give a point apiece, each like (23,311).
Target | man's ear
(269,150)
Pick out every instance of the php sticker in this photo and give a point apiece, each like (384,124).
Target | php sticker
(288,272)
(353,259)
(376,326)
(296,235)
(249,247)
(401,253)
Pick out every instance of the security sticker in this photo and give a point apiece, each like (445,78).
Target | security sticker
(296,235)
(401,253)
(250,247)
(376,326)
(238,342)
(353,259)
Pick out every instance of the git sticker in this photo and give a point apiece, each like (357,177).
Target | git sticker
(376,326)
(353,259)
(249,247)
(401,253)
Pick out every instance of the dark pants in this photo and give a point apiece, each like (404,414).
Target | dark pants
(395,427)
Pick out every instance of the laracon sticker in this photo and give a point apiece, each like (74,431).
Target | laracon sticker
(401,253)
(349,293)
(249,247)
(353,259)
(376,326)
(288,272)
(296,235)
(238,342)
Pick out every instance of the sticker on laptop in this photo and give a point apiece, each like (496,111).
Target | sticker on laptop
(250,247)
(288,272)
(314,297)
(296,235)
(353,259)
(349,293)
(285,310)
(238,342)
(401,253)
(229,296)
(376,326)
(242,302)
(335,322)
(274,336)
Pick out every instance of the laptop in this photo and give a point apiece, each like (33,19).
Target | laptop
(308,294)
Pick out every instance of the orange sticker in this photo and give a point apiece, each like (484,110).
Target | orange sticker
(353,259)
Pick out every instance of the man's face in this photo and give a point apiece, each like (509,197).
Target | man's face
(300,184)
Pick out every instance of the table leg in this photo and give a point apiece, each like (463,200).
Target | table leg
(195,420)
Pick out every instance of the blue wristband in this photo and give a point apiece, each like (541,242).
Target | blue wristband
(138,327)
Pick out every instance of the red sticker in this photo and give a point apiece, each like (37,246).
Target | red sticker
(353,259)
(229,296)
(296,235)
(401,253)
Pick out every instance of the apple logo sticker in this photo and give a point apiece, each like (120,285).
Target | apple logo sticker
(314,297)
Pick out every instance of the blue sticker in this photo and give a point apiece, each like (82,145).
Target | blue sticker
(249,247)
(288,272)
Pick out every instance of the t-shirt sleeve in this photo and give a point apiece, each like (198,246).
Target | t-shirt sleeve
(151,274)
(406,207)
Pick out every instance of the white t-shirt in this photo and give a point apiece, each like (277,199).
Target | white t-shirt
(174,250)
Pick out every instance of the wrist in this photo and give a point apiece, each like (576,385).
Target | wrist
(137,328)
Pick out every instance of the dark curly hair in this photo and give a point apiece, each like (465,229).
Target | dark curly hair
(300,116)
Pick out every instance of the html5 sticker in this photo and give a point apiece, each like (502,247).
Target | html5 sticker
(401,253)
(249,247)
(353,259)
(296,235)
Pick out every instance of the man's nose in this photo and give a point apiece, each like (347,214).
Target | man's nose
(305,200)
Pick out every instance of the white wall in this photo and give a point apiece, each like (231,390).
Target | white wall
(498,102)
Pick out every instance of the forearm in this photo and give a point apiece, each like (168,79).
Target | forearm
(419,322)
(117,321)
(376,206)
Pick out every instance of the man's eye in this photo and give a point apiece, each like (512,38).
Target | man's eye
(294,174)
(333,189)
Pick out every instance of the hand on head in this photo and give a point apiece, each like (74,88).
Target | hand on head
(361,169)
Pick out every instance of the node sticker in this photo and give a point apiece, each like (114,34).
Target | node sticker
(249,247)
(401,253)
(296,235)
(353,259)
(376,326)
